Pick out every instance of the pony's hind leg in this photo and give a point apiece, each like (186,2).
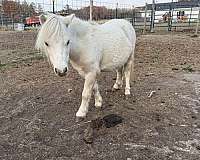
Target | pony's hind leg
(119,81)
(127,74)
(97,96)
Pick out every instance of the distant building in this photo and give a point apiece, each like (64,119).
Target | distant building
(176,5)
(183,10)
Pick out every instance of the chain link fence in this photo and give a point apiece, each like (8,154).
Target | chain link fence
(17,12)
(171,16)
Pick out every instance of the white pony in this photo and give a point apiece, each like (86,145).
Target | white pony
(90,48)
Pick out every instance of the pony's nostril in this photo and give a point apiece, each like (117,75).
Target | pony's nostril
(56,70)
(65,70)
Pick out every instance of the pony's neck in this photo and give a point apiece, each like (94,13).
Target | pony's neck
(79,27)
(80,30)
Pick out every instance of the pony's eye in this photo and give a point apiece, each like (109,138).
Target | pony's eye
(67,43)
(46,44)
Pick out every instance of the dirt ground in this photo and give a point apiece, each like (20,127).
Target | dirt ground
(37,108)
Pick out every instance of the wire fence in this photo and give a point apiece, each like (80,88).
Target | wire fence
(175,16)
(171,16)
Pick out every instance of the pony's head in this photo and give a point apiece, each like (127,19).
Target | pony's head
(54,40)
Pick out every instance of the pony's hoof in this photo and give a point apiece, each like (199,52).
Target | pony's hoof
(80,119)
(99,112)
(98,105)
(128,96)
(127,92)
(115,89)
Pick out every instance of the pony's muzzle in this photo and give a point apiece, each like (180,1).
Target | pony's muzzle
(59,72)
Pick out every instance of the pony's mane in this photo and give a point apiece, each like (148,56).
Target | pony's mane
(53,27)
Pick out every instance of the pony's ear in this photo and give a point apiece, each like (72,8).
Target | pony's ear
(43,18)
(68,19)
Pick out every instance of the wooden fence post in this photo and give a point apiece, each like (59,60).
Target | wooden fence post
(91,9)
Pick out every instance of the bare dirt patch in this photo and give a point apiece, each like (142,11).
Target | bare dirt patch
(37,108)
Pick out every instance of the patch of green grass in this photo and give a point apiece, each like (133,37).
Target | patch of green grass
(38,57)
(7,65)
(188,68)
(11,64)
(2,65)
(156,56)
(28,59)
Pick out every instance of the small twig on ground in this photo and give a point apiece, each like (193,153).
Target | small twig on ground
(151,94)
(24,119)
(73,126)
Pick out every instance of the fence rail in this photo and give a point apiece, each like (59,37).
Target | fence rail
(166,16)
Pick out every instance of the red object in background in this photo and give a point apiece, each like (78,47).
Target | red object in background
(32,20)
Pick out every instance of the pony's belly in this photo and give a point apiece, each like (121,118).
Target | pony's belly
(116,51)
(113,61)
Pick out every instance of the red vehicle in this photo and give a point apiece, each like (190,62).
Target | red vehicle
(32,21)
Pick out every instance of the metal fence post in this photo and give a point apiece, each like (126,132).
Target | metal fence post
(1,7)
(171,14)
(197,26)
(91,9)
(133,16)
(116,11)
(152,16)
(145,19)
(168,28)
(2,19)
(190,16)
(13,25)
(53,6)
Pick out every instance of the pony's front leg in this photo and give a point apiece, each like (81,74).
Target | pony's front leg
(90,79)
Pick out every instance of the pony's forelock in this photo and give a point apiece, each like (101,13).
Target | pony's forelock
(53,27)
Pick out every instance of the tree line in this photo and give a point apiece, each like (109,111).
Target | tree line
(19,11)
(101,12)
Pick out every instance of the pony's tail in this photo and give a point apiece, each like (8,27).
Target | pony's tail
(133,40)
(132,74)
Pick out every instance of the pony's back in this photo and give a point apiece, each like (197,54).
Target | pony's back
(126,26)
